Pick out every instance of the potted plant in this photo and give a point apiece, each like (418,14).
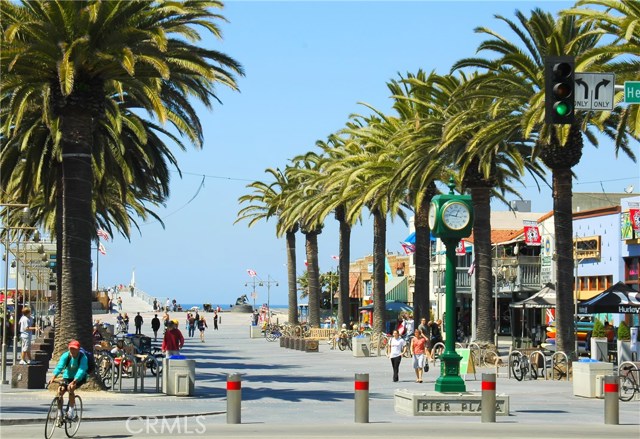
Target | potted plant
(624,343)
(599,348)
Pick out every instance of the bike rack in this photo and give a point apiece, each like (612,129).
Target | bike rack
(512,353)
(554,362)
(134,360)
(533,362)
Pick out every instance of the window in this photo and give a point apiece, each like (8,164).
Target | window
(631,266)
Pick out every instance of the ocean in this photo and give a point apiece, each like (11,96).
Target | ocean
(186,306)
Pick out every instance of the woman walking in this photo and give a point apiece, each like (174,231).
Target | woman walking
(202,324)
(395,349)
(419,351)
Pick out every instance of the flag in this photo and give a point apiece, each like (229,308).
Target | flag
(101,249)
(335,258)
(634,217)
(408,248)
(472,268)
(103,234)
(531,233)
(460,249)
(306,264)
(251,272)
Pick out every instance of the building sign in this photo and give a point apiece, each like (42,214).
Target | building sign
(460,249)
(586,248)
(531,233)
(546,260)
(634,218)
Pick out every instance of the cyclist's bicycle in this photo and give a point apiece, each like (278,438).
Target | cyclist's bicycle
(629,375)
(53,421)
(344,341)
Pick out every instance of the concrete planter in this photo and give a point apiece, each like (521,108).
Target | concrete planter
(599,349)
(624,351)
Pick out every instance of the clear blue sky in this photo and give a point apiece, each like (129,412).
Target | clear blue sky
(307,67)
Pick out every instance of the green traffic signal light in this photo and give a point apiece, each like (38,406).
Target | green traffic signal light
(562,109)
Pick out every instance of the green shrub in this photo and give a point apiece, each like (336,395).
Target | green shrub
(623,332)
(598,329)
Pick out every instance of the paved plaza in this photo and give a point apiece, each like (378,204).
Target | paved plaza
(288,393)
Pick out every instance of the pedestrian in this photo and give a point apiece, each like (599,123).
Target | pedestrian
(138,322)
(119,303)
(395,349)
(155,325)
(409,326)
(202,324)
(25,327)
(110,306)
(173,339)
(424,328)
(166,320)
(436,333)
(155,304)
(125,320)
(418,349)
(167,304)
(215,321)
(191,322)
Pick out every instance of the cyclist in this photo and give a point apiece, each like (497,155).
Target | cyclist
(74,367)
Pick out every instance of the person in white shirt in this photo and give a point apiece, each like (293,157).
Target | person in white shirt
(395,349)
(26,326)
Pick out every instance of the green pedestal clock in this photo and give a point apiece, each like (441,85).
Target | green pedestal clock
(450,219)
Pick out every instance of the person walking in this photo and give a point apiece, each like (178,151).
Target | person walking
(191,322)
(119,303)
(25,327)
(215,321)
(137,321)
(173,339)
(418,349)
(395,349)
(155,326)
(202,324)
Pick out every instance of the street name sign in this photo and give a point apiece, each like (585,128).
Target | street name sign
(594,91)
(632,92)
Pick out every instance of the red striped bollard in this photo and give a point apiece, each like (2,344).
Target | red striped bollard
(488,402)
(234,398)
(362,398)
(611,402)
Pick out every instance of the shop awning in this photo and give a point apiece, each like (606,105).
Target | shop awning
(397,289)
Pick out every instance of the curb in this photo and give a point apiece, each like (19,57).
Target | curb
(32,421)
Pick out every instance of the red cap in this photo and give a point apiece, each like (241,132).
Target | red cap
(74,344)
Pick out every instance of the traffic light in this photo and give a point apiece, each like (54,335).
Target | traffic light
(559,99)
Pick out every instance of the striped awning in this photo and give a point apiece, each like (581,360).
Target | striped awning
(397,289)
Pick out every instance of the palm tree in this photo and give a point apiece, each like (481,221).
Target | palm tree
(266,202)
(73,61)
(517,86)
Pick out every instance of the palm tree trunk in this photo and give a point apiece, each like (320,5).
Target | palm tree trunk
(422,261)
(313,276)
(59,344)
(486,324)
(345,256)
(291,277)
(379,248)
(563,224)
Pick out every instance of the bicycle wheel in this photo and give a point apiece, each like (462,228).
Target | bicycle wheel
(152,365)
(52,417)
(107,376)
(350,343)
(71,425)
(627,387)
(270,335)
(517,369)
(342,343)
(490,358)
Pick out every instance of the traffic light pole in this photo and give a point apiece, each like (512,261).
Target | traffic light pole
(450,379)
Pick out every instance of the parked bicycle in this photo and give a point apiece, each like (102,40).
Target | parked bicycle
(344,341)
(54,420)
(521,367)
(272,332)
(629,375)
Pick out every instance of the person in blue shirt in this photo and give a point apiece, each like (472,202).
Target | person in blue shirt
(74,367)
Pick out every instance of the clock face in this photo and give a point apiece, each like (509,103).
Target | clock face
(432,215)
(455,215)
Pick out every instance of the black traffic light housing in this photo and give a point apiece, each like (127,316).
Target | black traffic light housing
(559,89)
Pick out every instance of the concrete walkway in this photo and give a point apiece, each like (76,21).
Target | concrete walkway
(287,392)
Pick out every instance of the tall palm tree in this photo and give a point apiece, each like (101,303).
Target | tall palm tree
(73,60)
(518,86)
(268,201)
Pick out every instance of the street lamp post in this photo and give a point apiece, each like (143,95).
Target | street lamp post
(8,229)
(269,282)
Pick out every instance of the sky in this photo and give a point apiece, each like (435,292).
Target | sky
(308,65)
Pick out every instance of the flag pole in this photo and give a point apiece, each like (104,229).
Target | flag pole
(97,266)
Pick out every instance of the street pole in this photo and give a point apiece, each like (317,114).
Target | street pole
(6,301)
(450,379)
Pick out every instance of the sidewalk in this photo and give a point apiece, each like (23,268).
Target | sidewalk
(287,387)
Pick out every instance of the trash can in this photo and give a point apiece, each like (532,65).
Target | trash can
(360,344)
(178,376)
(584,376)
(256,331)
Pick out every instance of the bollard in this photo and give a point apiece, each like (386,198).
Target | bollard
(611,402)
(234,398)
(362,398)
(488,397)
